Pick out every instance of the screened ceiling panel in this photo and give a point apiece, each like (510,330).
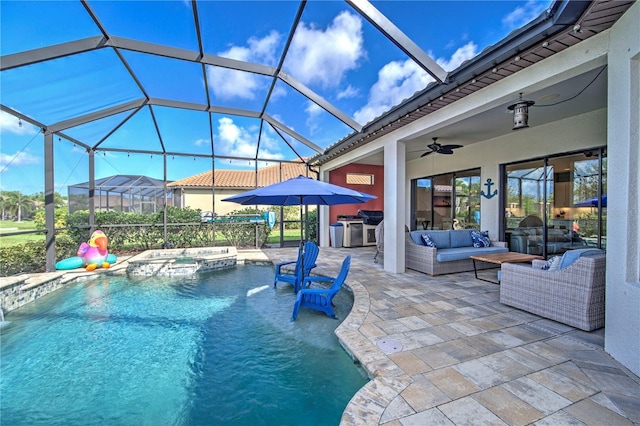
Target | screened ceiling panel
(168,78)
(108,163)
(184,130)
(69,87)
(43,23)
(343,75)
(274,143)
(238,30)
(94,132)
(237,89)
(304,116)
(168,23)
(136,134)
(235,136)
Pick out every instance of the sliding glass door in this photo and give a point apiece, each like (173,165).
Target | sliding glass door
(556,204)
(467,196)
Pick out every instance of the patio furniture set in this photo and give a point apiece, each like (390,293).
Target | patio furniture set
(569,289)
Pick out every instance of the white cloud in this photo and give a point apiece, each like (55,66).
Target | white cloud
(278,92)
(10,124)
(313,112)
(228,83)
(324,56)
(524,14)
(19,159)
(399,80)
(348,92)
(200,142)
(240,142)
(463,53)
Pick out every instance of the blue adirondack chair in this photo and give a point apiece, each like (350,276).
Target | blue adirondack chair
(296,276)
(320,298)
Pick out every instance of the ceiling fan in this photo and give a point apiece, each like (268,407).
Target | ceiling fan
(440,149)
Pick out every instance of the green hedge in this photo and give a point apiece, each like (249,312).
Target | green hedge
(31,256)
(134,233)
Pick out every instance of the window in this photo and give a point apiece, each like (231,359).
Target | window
(446,201)
(359,179)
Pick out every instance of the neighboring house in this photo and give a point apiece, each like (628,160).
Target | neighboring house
(197,191)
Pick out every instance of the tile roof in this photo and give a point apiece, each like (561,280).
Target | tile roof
(244,178)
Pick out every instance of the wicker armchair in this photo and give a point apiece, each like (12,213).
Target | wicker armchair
(573,296)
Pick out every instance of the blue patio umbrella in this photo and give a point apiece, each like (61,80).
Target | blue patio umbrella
(591,202)
(301,191)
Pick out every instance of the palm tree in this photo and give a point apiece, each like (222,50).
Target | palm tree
(3,205)
(58,200)
(17,203)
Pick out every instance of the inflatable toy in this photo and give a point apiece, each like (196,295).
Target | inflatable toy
(90,255)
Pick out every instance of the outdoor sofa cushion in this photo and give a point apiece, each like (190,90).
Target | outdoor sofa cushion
(570,256)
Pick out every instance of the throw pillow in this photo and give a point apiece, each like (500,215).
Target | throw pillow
(426,239)
(552,264)
(480,239)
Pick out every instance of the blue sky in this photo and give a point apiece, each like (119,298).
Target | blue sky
(335,52)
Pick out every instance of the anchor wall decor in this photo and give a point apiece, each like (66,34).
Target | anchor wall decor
(489,195)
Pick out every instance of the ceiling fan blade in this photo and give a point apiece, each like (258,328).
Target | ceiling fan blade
(445,151)
(449,147)
(426,153)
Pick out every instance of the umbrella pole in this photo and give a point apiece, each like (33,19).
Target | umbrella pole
(301,244)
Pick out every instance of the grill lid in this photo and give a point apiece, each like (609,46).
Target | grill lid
(371,217)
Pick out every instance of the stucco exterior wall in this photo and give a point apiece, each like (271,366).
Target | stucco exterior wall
(572,134)
(201,199)
(339,177)
(622,337)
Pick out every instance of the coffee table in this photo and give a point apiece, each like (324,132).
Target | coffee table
(500,258)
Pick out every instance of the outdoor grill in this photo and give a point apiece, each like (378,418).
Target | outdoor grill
(370,219)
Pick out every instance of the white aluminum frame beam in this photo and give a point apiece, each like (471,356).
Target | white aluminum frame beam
(400,39)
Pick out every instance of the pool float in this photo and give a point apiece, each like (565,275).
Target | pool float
(90,255)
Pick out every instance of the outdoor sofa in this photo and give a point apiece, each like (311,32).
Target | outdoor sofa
(451,253)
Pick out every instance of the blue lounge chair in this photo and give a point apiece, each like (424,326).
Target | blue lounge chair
(296,276)
(320,298)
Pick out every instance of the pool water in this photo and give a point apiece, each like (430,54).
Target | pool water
(217,350)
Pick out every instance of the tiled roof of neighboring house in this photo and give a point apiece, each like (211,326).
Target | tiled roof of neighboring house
(244,178)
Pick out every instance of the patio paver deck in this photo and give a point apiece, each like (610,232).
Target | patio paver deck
(458,356)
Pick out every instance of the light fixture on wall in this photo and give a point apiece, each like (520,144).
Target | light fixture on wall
(520,113)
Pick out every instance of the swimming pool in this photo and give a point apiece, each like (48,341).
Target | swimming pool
(216,350)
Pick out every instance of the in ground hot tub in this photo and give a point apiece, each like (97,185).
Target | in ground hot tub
(182,261)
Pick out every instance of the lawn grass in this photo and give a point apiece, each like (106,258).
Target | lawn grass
(8,226)
(289,235)
(22,226)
